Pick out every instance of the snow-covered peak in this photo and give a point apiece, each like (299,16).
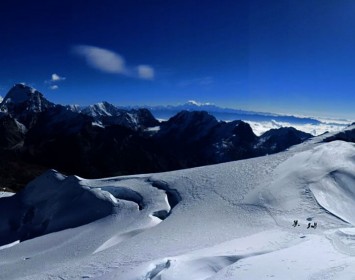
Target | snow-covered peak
(101,109)
(20,93)
(22,98)
(195,103)
(108,114)
(74,108)
(1,98)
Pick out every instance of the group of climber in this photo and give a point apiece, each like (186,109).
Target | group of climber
(315,224)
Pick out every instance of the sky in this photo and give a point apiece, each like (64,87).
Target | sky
(280,56)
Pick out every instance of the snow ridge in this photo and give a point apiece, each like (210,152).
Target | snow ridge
(228,221)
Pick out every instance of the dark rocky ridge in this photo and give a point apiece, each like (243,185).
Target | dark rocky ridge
(347,135)
(102,140)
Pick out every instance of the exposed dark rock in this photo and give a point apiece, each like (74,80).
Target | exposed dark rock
(276,140)
(346,135)
(102,140)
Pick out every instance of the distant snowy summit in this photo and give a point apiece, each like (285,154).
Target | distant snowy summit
(108,114)
(226,114)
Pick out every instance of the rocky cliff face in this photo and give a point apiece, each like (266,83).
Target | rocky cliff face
(23,103)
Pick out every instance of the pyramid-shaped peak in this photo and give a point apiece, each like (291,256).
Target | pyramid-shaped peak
(23,99)
(20,93)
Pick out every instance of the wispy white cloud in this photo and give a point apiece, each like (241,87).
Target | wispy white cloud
(145,72)
(57,78)
(53,82)
(102,59)
(111,62)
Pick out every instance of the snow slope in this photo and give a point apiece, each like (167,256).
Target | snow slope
(226,221)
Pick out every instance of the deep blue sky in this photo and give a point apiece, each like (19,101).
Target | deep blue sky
(295,57)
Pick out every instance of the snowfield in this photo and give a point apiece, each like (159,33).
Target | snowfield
(226,221)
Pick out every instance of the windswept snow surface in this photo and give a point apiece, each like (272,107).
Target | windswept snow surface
(226,221)
(5,194)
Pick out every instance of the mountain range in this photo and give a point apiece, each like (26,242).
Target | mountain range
(226,114)
(283,216)
(103,140)
(260,122)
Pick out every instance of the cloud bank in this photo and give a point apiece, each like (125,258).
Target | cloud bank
(108,61)
(261,127)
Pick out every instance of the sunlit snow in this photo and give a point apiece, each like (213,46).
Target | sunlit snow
(227,221)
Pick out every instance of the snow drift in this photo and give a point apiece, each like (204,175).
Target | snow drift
(51,203)
(226,221)
(324,174)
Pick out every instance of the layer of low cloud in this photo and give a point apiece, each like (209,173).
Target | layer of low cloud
(108,61)
(314,129)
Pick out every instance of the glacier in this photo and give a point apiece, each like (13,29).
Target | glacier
(226,221)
